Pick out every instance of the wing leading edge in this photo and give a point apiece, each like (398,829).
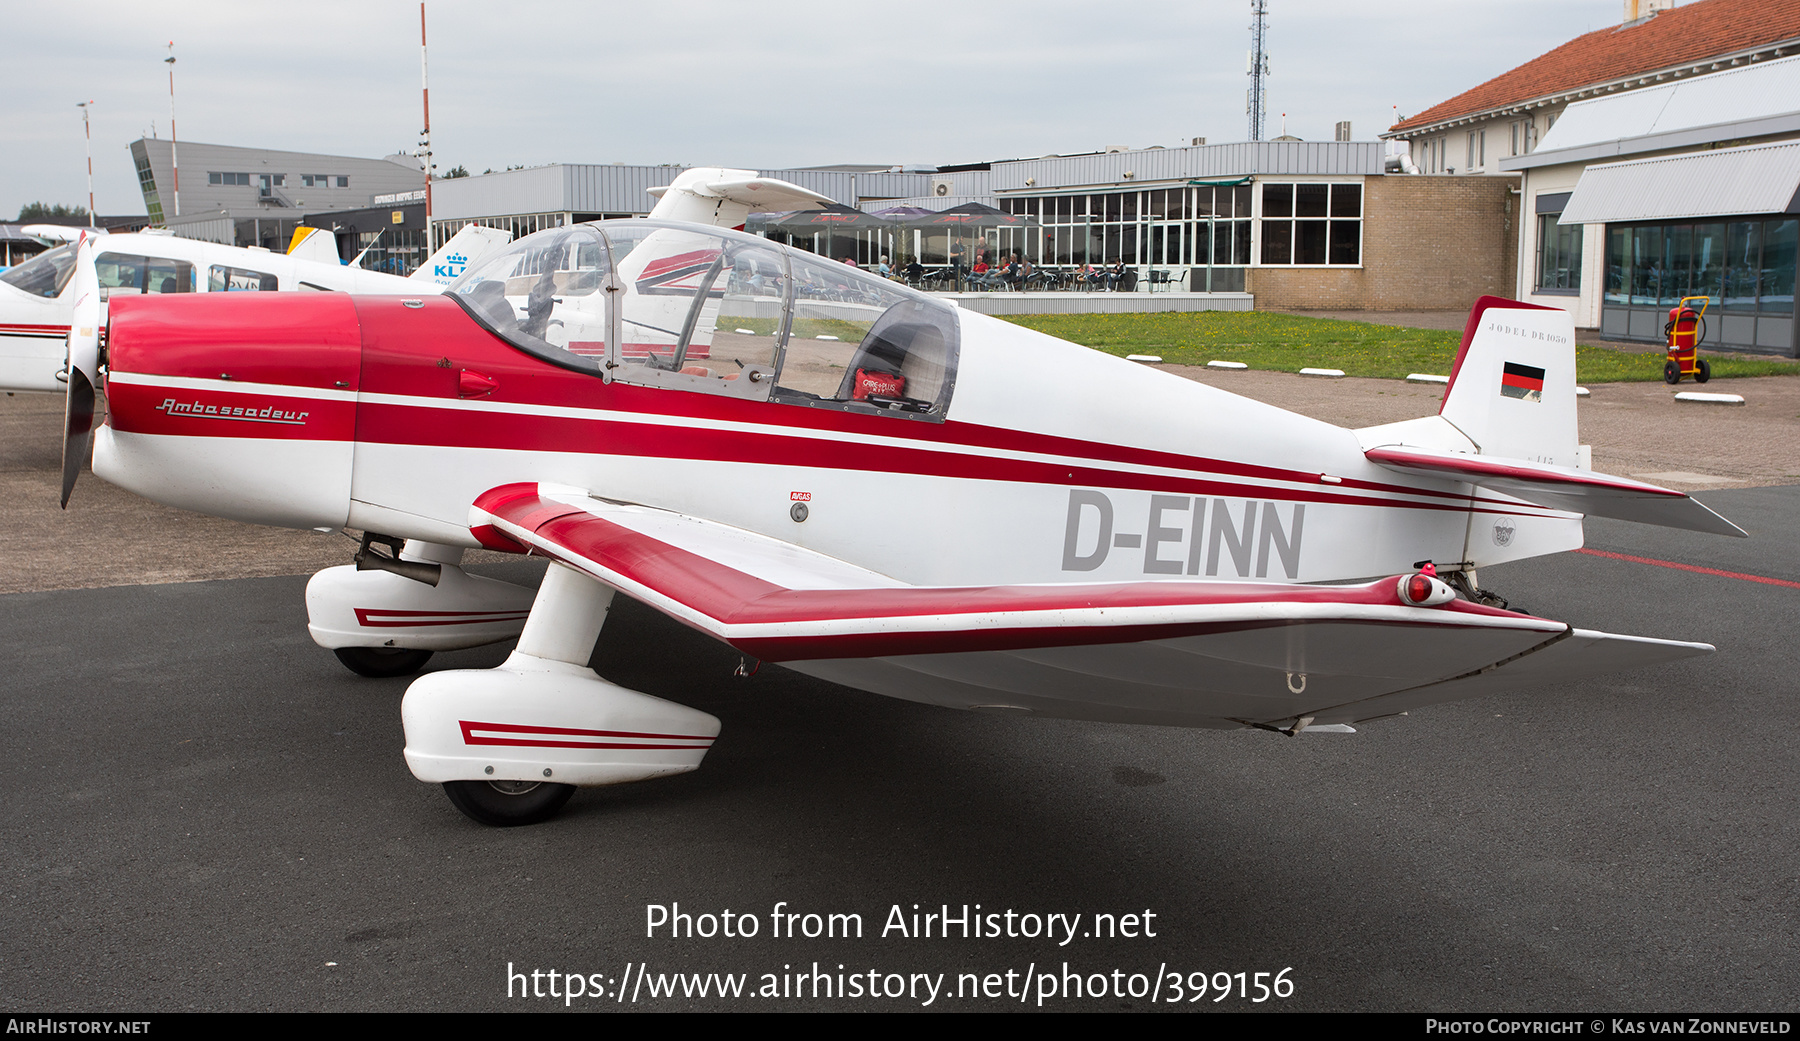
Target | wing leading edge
(1179,652)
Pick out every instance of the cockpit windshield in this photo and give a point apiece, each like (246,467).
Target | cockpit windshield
(718,312)
(45,274)
(542,294)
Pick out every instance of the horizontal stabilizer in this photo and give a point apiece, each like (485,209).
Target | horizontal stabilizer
(725,198)
(1560,488)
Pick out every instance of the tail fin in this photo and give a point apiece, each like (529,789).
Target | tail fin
(464,248)
(1508,425)
(1512,389)
(314,244)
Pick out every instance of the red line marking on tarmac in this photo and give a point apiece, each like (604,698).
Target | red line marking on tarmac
(1691,567)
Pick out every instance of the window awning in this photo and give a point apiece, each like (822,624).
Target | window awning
(1723,183)
(1226,183)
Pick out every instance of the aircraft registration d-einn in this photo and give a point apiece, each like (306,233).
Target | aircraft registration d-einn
(36,298)
(860,482)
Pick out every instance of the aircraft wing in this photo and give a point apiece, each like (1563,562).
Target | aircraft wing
(1188,653)
(1560,487)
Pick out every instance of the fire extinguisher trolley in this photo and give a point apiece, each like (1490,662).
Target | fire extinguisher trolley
(1685,329)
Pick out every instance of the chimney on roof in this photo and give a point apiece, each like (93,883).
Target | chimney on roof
(1643,10)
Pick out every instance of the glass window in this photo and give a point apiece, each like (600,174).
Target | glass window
(222,279)
(126,273)
(861,344)
(1310,200)
(1743,263)
(700,311)
(1559,255)
(1709,262)
(1775,294)
(45,274)
(1617,265)
(1326,227)
(542,294)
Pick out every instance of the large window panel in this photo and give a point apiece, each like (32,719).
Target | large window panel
(1559,255)
(1309,242)
(1277,241)
(1743,264)
(1775,293)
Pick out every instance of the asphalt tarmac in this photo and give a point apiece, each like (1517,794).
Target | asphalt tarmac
(204,811)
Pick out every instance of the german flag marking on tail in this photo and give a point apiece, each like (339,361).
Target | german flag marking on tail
(1525,382)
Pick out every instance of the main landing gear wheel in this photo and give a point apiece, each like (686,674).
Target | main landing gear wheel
(506,804)
(1703,371)
(382,662)
(1672,373)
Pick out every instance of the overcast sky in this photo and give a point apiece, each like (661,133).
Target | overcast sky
(725,82)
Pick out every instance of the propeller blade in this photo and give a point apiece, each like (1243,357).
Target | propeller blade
(84,367)
(78,423)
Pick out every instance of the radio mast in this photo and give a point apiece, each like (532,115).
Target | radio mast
(1258,101)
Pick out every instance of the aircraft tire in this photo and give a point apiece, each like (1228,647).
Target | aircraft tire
(382,662)
(486,802)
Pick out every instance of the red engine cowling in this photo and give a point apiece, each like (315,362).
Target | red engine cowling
(240,405)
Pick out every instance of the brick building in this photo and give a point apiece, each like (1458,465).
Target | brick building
(1427,242)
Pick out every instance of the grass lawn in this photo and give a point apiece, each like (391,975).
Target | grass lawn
(1287,343)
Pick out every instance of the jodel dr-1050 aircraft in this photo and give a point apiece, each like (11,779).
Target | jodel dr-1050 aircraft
(863,483)
(36,298)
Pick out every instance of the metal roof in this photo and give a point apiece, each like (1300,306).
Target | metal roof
(1273,158)
(1747,102)
(1722,183)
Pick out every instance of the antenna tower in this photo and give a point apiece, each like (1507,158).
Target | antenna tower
(1258,101)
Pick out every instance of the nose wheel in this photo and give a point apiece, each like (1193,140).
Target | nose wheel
(506,804)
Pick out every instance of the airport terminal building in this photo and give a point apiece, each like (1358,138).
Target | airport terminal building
(258,196)
(1296,224)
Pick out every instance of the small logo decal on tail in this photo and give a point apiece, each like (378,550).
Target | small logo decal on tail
(1525,382)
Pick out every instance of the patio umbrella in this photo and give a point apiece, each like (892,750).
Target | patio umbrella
(832,218)
(899,214)
(831,223)
(970,215)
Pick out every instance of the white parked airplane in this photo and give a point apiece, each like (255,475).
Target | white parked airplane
(863,483)
(35,302)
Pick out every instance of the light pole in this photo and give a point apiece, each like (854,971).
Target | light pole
(425,135)
(89,134)
(174,150)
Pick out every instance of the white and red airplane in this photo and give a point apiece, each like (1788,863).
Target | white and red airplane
(861,482)
(36,301)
